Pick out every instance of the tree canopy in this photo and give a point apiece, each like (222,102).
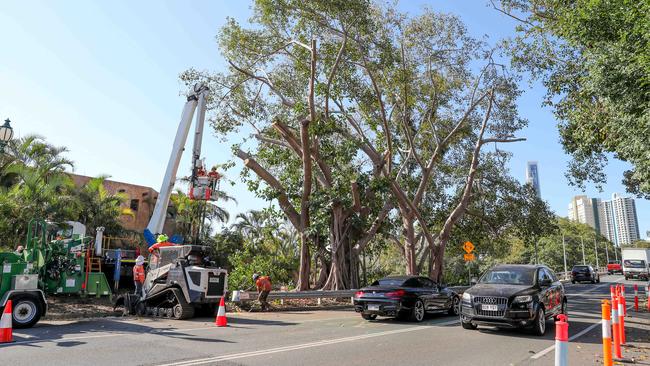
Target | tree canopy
(593,57)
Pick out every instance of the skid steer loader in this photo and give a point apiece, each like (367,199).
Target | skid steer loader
(180,280)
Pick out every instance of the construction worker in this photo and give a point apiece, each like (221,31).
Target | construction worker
(138,275)
(19,250)
(161,241)
(263,284)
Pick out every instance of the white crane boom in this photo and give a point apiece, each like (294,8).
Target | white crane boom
(197,98)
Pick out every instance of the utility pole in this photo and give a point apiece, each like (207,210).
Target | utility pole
(615,252)
(564,254)
(607,251)
(596,250)
(583,251)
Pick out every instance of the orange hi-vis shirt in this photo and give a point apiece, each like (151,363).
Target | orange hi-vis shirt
(138,273)
(263,283)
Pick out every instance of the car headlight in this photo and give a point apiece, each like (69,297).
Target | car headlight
(523,299)
(467,297)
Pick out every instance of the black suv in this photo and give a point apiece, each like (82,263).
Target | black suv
(514,296)
(581,273)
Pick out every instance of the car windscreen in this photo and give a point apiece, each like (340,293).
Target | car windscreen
(634,263)
(509,276)
(580,268)
(388,282)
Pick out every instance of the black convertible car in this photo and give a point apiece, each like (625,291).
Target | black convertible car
(405,297)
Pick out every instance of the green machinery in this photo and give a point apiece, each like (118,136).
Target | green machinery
(59,266)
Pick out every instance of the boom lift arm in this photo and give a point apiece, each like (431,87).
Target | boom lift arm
(196,100)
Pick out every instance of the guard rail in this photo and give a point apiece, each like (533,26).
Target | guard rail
(243,296)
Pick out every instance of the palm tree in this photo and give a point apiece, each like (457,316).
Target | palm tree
(250,224)
(97,207)
(194,218)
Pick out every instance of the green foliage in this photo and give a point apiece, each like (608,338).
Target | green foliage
(639,244)
(33,184)
(259,242)
(593,56)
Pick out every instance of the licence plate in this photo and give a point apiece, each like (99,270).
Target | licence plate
(489,307)
(373,307)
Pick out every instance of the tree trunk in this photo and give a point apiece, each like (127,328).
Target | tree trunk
(409,245)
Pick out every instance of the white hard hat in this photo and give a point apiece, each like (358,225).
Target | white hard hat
(140,260)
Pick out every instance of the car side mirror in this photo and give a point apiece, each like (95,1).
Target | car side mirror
(545,282)
(473,281)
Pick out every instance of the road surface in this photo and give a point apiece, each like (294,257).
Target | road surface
(306,338)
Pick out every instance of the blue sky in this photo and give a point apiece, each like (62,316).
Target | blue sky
(102,79)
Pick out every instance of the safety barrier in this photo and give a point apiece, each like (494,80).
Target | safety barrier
(243,296)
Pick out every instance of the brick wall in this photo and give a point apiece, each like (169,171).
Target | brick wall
(141,200)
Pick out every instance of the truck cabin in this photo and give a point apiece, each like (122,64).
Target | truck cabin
(193,255)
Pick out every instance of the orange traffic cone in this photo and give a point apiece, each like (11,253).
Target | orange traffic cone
(221,314)
(6,333)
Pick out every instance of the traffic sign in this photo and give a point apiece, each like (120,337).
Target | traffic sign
(469,257)
(468,247)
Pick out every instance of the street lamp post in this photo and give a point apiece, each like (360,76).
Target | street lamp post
(6,134)
(564,254)
(596,250)
(583,251)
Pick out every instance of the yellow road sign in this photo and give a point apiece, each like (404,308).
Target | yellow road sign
(468,247)
(469,257)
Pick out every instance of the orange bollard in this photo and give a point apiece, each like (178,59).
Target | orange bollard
(612,293)
(561,341)
(621,318)
(6,330)
(616,330)
(636,298)
(607,333)
(624,301)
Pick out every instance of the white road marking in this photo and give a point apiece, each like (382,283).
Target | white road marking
(162,331)
(305,345)
(578,335)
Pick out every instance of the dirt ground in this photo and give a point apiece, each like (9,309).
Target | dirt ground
(64,307)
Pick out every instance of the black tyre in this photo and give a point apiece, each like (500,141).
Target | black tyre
(26,311)
(417,313)
(467,325)
(369,316)
(598,279)
(455,306)
(593,281)
(539,328)
(573,282)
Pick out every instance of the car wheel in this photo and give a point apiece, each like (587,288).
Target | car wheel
(369,316)
(417,313)
(573,282)
(455,306)
(539,328)
(598,279)
(593,281)
(26,311)
(467,325)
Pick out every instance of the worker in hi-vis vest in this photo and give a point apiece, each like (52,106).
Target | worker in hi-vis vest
(138,275)
(263,284)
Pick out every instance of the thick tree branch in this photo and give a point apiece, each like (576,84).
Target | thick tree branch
(283,200)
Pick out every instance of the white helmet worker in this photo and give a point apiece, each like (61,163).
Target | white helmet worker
(139,261)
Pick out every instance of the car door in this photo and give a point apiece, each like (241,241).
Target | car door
(544,290)
(428,293)
(554,293)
